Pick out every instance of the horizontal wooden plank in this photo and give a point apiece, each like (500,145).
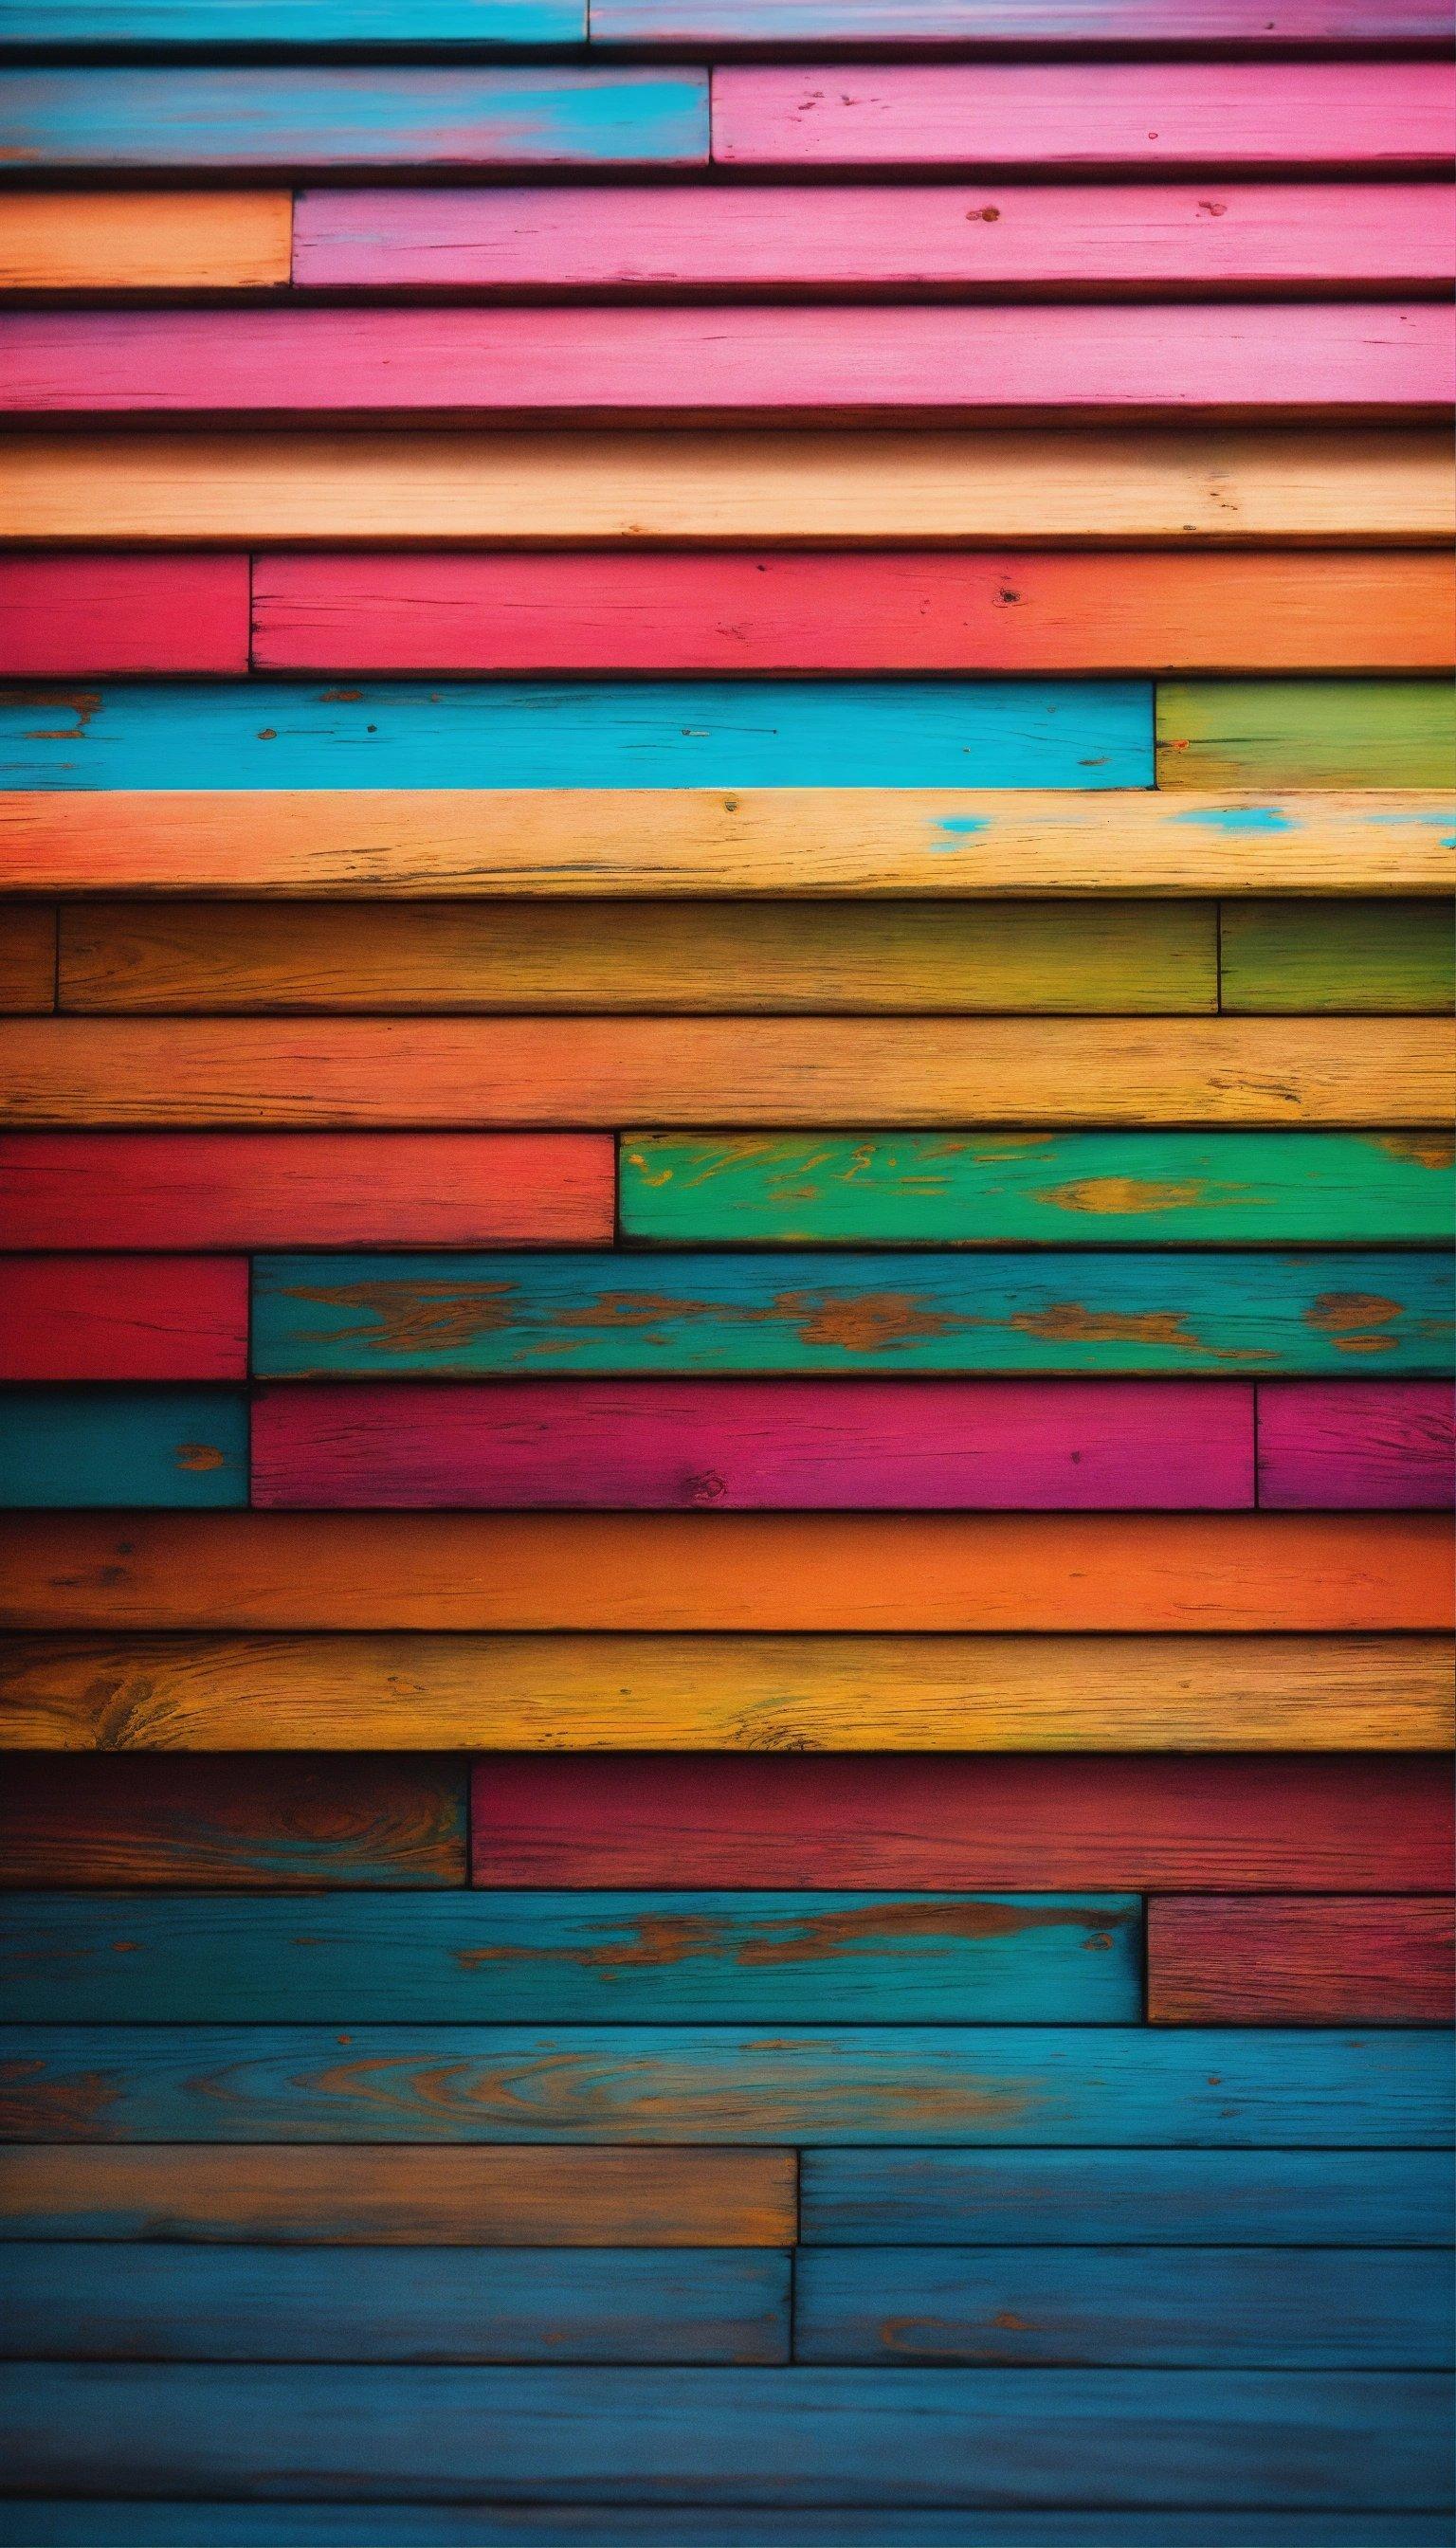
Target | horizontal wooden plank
(177,1447)
(245,1824)
(1387,361)
(1341,1444)
(670,2196)
(982,1189)
(1063,2199)
(109,611)
(1372,1823)
(922,26)
(142,242)
(266,117)
(1298,1961)
(665,958)
(1187,2307)
(1093,488)
(96,2523)
(28,957)
(749,1694)
(726,1571)
(1302,956)
(475,24)
(149,1318)
(337,1074)
(162,2303)
(1154,117)
(1306,734)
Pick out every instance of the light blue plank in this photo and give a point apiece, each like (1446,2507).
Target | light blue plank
(58,2523)
(601,734)
(182,1447)
(213,24)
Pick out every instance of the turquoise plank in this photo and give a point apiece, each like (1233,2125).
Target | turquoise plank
(62,2524)
(181,1447)
(572,1958)
(1019,2085)
(380,24)
(1164,1311)
(586,734)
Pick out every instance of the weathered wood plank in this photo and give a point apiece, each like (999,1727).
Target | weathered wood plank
(1299,956)
(693,1694)
(112,612)
(147,1318)
(1343,1443)
(28,956)
(922,26)
(474,24)
(987,1189)
(93,2522)
(1302,1962)
(1306,734)
(123,1446)
(142,242)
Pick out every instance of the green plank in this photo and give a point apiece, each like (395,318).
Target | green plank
(1355,959)
(1306,734)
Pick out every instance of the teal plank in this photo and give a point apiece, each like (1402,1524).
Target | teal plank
(122,1446)
(1165,1311)
(93,2523)
(380,24)
(1061,1189)
(1020,2085)
(539,1959)
(601,734)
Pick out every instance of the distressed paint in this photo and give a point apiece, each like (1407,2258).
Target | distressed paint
(183,1447)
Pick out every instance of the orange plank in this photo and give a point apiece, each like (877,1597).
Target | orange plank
(153,242)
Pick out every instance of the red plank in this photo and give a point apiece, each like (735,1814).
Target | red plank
(1343,1443)
(1325,1962)
(142,1318)
(307,1188)
(90,612)
(650,1444)
(875,239)
(1358,358)
(1019,1821)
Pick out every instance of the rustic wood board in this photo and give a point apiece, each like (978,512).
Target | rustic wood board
(96,1318)
(1344,1444)
(167,1446)
(924,26)
(28,955)
(1306,734)
(143,243)
(475,24)
(1324,1960)
(123,611)
(1294,957)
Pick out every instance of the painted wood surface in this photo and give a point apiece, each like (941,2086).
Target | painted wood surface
(926,24)
(985,1189)
(475,24)
(72,2522)
(99,1319)
(248,1825)
(143,244)
(167,1446)
(1304,734)
(897,1444)
(26,959)
(1295,956)
(703,1694)
(1380,360)
(916,958)
(1155,1312)
(1060,2200)
(1302,1962)
(519,2196)
(1330,1823)
(235,2303)
(105,612)
(1352,1446)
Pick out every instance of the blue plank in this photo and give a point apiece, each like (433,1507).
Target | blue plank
(213,24)
(1017,2086)
(182,1447)
(93,2523)
(79,1958)
(586,734)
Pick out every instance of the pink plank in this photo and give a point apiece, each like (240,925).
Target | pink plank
(1352,358)
(1156,115)
(138,1317)
(83,615)
(857,238)
(919,26)
(1340,1443)
(655,1445)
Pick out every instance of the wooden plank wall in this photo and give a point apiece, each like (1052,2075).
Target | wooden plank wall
(725,1332)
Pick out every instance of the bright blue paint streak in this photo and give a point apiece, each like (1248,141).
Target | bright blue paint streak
(294,22)
(1237,818)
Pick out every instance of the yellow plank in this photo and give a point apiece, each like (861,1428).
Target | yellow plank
(145,242)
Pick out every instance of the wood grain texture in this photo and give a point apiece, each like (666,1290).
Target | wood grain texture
(705,1694)
(985,1189)
(1347,957)
(165,1446)
(246,1824)
(26,959)
(1329,1960)
(1306,734)
(143,243)
(100,1318)
(1369,1823)
(1341,1444)
(107,612)
(218,23)
(668,2196)
(96,2523)
(925,26)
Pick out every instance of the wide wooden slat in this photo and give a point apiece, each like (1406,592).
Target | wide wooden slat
(1301,1961)
(477,23)
(669,2196)
(1281,957)
(573,1958)
(173,1447)
(28,955)
(151,1318)
(153,242)
(986,1188)
(696,1694)
(94,2522)
(106,613)
(1306,734)
(918,25)
(1338,1443)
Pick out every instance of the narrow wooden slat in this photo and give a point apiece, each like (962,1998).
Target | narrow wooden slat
(1301,1961)
(153,242)
(173,1447)
(1338,1443)
(1374,1823)
(573,1958)
(475,24)
(248,1824)
(1282,957)
(669,2196)
(26,960)
(921,25)
(986,1188)
(106,613)
(149,1318)
(94,2522)
(694,1694)
(759,958)
(1306,734)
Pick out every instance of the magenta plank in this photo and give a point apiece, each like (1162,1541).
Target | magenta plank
(1352,358)
(1355,1442)
(867,238)
(85,612)
(658,1445)
(919,26)
(133,1317)
(1065,116)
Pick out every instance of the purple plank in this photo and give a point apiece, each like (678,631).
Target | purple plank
(1355,1442)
